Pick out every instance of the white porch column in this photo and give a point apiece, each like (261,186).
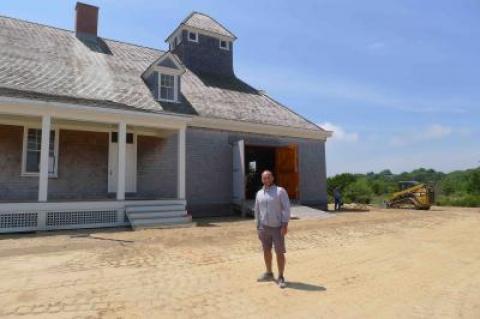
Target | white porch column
(122,145)
(181,163)
(44,159)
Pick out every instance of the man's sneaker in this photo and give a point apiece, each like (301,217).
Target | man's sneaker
(281,282)
(266,276)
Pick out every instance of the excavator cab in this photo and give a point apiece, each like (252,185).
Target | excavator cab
(412,194)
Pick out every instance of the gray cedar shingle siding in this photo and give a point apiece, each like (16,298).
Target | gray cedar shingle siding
(82,166)
(82,169)
(152,82)
(209,169)
(46,63)
(168,63)
(205,56)
(12,185)
(157,167)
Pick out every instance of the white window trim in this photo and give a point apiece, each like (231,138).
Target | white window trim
(24,151)
(175,87)
(196,36)
(227,48)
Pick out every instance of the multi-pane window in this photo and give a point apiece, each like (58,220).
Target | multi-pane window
(167,87)
(33,149)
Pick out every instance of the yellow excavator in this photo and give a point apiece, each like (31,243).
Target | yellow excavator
(412,194)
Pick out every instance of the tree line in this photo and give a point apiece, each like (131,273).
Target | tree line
(458,188)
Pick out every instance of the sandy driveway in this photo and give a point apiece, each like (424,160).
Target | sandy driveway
(380,264)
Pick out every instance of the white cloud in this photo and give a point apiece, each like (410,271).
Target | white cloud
(339,133)
(432,132)
(437,131)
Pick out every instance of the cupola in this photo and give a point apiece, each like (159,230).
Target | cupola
(203,45)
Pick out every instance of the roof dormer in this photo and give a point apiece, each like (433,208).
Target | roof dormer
(203,45)
(163,78)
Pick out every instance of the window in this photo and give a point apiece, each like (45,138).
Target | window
(32,149)
(252,167)
(167,87)
(224,44)
(192,36)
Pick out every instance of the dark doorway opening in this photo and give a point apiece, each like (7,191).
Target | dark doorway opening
(257,159)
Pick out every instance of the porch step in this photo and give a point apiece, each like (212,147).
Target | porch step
(158,215)
(155,208)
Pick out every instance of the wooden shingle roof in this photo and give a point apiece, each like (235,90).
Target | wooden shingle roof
(47,63)
(204,22)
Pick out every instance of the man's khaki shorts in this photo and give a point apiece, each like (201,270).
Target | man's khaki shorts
(272,235)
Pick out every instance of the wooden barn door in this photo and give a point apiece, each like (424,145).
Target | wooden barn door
(286,169)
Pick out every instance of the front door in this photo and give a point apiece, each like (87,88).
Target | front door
(131,163)
(286,169)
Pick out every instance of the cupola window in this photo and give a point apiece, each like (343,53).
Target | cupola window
(224,45)
(192,36)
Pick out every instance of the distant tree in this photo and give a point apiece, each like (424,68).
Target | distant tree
(386,172)
(460,188)
(447,187)
(473,182)
(341,181)
(358,192)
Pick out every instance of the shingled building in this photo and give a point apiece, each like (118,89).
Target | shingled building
(96,132)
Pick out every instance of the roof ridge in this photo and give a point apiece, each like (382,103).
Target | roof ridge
(210,17)
(71,31)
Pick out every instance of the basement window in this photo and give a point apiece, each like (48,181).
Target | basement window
(192,36)
(32,144)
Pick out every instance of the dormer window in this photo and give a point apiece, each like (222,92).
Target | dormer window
(168,88)
(192,36)
(224,45)
(163,77)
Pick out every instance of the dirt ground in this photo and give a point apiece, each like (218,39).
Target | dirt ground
(377,264)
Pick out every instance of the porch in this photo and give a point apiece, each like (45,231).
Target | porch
(85,167)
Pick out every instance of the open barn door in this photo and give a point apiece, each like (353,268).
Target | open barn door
(286,169)
(239,172)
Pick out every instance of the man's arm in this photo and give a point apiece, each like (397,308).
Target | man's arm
(256,212)
(284,200)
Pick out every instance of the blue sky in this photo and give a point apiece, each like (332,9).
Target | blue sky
(398,80)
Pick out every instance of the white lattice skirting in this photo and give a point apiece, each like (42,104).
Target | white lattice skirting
(25,217)
(49,220)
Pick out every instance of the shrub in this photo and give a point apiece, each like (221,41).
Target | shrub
(358,192)
(465,200)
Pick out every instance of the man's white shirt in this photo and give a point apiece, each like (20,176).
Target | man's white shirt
(272,207)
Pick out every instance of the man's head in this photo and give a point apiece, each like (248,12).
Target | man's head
(267,178)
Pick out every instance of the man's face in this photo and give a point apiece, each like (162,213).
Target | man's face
(267,179)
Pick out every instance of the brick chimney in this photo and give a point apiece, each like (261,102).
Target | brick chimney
(86,19)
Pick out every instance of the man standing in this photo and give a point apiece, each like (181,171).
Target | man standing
(272,213)
(338,198)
